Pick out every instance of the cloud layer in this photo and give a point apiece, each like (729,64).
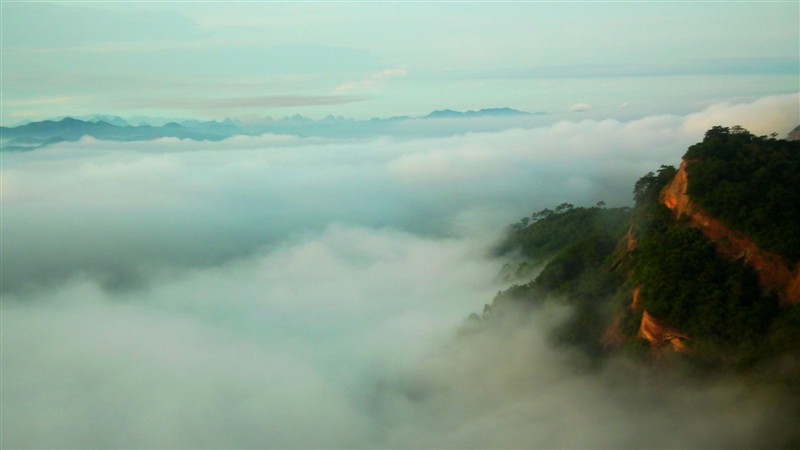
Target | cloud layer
(270,351)
(371,81)
(256,102)
(283,292)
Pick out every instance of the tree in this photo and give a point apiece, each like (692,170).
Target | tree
(647,188)
(564,207)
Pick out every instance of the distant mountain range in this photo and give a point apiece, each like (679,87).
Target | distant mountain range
(488,112)
(36,135)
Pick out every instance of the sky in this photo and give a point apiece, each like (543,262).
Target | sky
(253,59)
(279,291)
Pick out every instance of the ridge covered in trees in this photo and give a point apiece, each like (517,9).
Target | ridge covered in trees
(751,184)
(595,258)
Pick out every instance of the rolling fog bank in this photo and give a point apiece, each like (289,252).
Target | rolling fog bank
(276,291)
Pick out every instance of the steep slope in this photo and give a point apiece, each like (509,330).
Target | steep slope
(708,275)
(794,135)
(657,333)
(679,278)
(774,272)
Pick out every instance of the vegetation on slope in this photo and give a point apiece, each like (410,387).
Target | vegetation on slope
(751,184)
(687,284)
(683,280)
(579,243)
(547,232)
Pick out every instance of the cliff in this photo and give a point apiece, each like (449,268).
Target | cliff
(774,273)
(794,135)
(652,330)
(658,333)
(705,264)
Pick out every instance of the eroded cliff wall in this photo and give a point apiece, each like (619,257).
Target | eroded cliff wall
(774,273)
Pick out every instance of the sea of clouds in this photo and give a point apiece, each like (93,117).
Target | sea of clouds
(278,291)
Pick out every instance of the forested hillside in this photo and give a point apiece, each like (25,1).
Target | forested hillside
(630,274)
(751,184)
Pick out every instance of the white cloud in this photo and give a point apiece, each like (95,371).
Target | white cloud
(170,202)
(371,81)
(253,353)
(349,333)
(580,107)
(242,293)
(181,203)
(778,114)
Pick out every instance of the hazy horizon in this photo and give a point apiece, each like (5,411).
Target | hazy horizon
(212,61)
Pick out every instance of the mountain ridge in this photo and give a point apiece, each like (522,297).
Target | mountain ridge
(34,135)
(678,280)
(774,272)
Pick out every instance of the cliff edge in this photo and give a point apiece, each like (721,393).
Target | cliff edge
(774,273)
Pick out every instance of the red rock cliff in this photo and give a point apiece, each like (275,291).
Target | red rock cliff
(774,274)
(657,333)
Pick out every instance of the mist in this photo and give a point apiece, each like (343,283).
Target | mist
(279,291)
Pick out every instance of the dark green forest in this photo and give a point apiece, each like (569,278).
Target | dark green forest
(578,244)
(686,283)
(751,184)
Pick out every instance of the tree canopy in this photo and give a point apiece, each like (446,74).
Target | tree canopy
(750,183)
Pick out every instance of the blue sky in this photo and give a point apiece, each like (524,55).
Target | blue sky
(229,59)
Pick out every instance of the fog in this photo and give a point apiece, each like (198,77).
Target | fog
(277,291)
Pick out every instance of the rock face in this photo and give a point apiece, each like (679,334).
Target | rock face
(794,135)
(636,298)
(658,333)
(774,274)
(653,330)
(630,241)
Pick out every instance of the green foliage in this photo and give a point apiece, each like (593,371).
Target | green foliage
(548,231)
(514,293)
(560,274)
(580,275)
(785,331)
(579,243)
(647,189)
(750,183)
(687,284)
